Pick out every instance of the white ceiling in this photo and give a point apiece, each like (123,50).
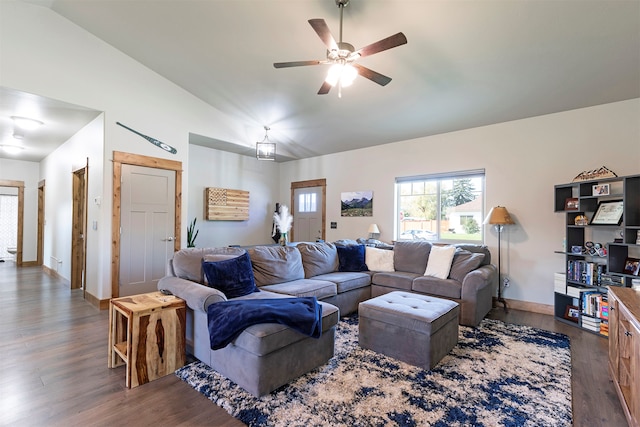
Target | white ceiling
(467,63)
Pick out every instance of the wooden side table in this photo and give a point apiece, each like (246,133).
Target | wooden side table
(147,334)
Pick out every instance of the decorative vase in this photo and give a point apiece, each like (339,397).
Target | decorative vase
(283,239)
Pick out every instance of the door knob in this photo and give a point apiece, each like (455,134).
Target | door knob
(168,239)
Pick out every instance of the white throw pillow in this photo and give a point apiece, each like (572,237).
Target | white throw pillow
(439,262)
(378,259)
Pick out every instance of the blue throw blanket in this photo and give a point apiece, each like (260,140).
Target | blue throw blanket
(227,319)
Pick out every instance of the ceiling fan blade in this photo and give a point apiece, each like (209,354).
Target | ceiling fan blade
(384,44)
(375,77)
(296,63)
(324,89)
(324,33)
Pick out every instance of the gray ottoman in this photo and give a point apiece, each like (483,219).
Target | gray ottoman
(417,329)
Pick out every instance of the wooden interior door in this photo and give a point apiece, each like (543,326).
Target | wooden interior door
(79,229)
(120,160)
(147,227)
(40,244)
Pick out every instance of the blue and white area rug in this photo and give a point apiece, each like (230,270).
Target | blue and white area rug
(497,375)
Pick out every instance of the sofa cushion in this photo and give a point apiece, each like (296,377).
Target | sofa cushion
(379,259)
(439,262)
(351,258)
(233,277)
(464,262)
(305,288)
(276,264)
(347,280)
(477,249)
(411,256)
(266,338)
(187,262)
(318,258)
(446,288)
(401,280)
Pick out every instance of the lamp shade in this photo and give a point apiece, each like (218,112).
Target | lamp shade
(373,228)
(498,215)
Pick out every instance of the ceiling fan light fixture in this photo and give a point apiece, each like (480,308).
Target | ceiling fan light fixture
(345,74)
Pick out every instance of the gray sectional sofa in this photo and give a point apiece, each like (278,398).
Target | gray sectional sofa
(266,356)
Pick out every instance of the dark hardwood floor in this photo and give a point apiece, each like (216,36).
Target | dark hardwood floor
(54,345)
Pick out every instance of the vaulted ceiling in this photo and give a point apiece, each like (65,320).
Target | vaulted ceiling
(466,63)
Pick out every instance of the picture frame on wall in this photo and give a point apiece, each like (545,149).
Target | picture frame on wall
(608,213)
(356,203)
(600,190)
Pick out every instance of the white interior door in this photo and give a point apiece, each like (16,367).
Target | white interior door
(307,214)
(147,225)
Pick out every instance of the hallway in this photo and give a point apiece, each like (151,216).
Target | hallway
(55,346)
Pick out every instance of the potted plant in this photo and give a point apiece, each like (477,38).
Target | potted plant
(191,237)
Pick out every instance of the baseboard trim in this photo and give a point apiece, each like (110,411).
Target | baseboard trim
(29,264)
(532,307)
(55,274)
(101,304)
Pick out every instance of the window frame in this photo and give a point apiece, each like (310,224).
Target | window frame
(439,177)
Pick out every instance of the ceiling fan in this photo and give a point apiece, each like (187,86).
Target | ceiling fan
(342,56)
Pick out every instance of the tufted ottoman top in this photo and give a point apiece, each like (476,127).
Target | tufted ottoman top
(415,312)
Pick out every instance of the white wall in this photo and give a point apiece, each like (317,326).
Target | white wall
(213,168)
(57,171)
(19,170)
(46,54)
(523,160)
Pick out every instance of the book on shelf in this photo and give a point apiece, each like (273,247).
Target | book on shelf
(592,321)
(604,327)
(560,283)
(611,280)
(589,273)
(573,291)
(592,303)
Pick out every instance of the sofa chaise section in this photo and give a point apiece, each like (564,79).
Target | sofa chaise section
(264,356)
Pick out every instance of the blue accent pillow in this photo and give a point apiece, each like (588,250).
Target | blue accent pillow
(233,277)
(351,258)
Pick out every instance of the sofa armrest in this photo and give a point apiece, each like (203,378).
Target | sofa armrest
(476,280)
(197,296)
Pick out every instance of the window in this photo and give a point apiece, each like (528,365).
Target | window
(307,202)
(444,207)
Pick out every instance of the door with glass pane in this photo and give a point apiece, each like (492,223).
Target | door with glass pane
(308,214)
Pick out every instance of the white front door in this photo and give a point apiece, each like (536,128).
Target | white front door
(307,214)
(147,225)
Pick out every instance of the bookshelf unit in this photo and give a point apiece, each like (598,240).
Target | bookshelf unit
(582,300)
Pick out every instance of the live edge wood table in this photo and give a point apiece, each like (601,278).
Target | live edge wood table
(147,334)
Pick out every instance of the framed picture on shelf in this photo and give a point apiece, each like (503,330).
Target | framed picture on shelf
(571,204)
(632,266)
(600,190)
(572,313)
(608,213)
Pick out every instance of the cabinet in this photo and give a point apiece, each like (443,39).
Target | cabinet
(596,254)
(147,334)
(624,349)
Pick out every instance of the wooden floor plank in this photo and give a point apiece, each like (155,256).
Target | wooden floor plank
(54,349)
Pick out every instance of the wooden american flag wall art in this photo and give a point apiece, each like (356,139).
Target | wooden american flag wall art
(224,204)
